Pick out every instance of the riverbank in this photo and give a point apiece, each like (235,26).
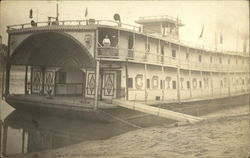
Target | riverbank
(225,133)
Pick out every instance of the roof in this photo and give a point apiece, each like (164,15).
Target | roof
(159,19)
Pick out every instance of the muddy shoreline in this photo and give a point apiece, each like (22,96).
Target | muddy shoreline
(224,133)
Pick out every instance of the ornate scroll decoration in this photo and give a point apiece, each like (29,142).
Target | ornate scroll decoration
(88,40)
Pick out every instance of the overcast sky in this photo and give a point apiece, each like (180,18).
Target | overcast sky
(229,18)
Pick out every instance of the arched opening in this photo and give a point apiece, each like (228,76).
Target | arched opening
(55,64)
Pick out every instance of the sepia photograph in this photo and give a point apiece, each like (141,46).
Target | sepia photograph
(124,79)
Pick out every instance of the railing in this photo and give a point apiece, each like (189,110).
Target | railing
(121,25)
(159,17)
(69,89)
(74,22)
(153,58)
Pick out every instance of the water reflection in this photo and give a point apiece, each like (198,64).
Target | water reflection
(25,132)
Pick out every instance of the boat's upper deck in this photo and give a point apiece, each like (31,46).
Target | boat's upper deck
(93,24)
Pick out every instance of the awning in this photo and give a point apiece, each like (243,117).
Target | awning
(52,49)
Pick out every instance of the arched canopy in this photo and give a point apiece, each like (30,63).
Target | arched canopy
(52,49)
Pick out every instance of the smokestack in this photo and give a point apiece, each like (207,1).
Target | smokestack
(0,39)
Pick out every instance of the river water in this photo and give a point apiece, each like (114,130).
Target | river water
(28,132)
(24,132)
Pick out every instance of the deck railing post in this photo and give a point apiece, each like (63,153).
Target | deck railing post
(211,80)
(145,83)
(97,84)
(26,80)
(7,79)
(126,71)
(178,85)
(190,82)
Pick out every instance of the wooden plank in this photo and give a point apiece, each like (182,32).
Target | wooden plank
(97,84)
(156,111)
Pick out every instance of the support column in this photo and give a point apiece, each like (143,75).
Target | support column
(7,79)
(26,80)
(229,84)
(31,79)
(163,83)
(97,83)
(235,83)
(202,85)
(211,81)
(190,81)
(118,44)
(5,130)
(43,77)
(3,81)
(178,85)
(126,71)
(23,140)
(220,82)
(145,79)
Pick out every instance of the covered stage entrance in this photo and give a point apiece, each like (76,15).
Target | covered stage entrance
(55,64)
(58,65)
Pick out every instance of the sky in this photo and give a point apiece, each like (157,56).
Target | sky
(227,18)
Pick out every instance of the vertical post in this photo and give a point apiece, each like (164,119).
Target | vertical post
(201,76)
(7,79)
(97,83)
(57,10)
(229,84)
(3,78)
(220,82)
(178,85)
(119,42)
(126,71)
(43,79)
(211,80)
(147,51)
(145,81)
(235,83)
(26,80)
(159,55)
(23,140)
(31,79)
(5,130)
(163,83)
(190,81)
(101,77)
(133,45)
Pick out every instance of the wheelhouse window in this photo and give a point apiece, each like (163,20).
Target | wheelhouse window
(228,61)
(130,42)
(200,83)
(162,85)
(148,83)
(220,60)
(200,58)
(130,46)
(174,84)
(211,59)
(173,53)
(188,84)
(130,83)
